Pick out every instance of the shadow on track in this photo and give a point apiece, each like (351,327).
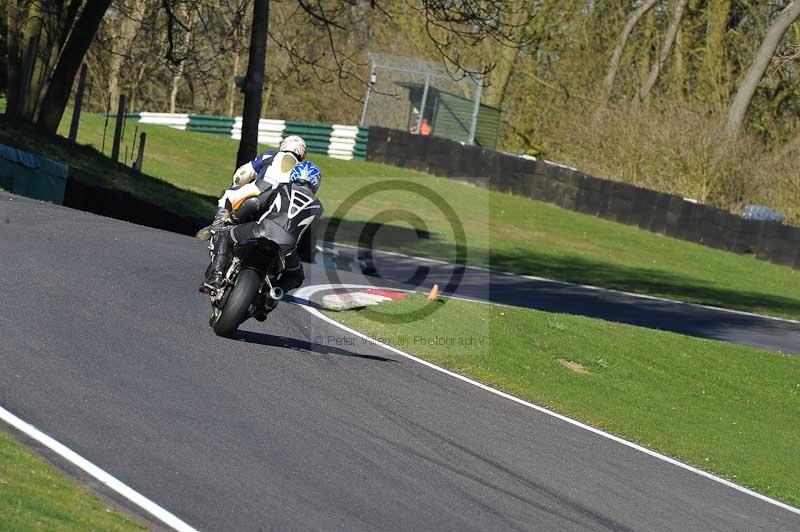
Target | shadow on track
(302,345)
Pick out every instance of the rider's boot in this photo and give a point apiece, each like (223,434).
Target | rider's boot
(220,256)
(292,275)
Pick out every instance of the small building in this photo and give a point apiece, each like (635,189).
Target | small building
(450,115)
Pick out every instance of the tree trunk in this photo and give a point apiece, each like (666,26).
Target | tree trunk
(254,83)
(266,98)
(57,95)
(178,76)
(622,41)
(232,86)
(669,38)
(647,45)
(122,45)
(35,67)
(679,66)
(173,95)
(52,29)
(507,58)
(14,59)
(713,80)
(137,82)
(747,89)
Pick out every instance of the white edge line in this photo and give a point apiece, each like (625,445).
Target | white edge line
(109,481)
(307,291)
(587,286)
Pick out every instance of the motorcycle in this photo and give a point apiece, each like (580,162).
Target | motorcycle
(248,289)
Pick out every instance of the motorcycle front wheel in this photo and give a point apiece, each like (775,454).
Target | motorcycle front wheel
(238,304)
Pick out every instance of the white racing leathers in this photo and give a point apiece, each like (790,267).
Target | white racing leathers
(268,171)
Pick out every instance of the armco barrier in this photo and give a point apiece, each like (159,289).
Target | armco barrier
(177,121)
(270,132)
(317,136)
(570,189)
(338,141)
(217,125)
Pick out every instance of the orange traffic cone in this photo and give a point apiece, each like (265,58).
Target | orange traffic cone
(434,293)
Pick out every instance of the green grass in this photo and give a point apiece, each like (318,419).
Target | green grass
(504,232)
(88,166)
(727,409)
(34,496)
(199,162)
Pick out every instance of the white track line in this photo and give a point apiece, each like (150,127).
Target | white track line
(586,286)
(306,293)
(74,458)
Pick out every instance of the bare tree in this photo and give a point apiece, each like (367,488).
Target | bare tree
(69,61)
(126,28)
(622,41)
(764,54)
(178,74)
(666,47)
(509,54)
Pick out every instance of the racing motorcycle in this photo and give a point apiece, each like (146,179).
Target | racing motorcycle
(248,289)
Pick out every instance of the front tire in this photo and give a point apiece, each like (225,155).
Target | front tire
(236,308)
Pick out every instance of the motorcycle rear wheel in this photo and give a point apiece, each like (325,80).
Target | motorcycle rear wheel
(238,304)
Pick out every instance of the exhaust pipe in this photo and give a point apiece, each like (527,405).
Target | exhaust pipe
(276,293)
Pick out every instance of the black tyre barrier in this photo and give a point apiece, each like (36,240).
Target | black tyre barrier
(644,208)
(570,189)
(125,206)
(746,236)
(727,226)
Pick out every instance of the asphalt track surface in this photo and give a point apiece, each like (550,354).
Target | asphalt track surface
(106,348)
(555,296)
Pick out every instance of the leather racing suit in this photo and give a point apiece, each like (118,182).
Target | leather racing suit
(282,215)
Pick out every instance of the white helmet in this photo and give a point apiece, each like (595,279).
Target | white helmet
(295,145)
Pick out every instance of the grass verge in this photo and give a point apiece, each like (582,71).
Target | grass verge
(34,496)
(727,409)
(89,166)
(504,232)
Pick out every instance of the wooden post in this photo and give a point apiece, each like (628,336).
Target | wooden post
(137,164)
(133,147)
(105,125)
(76,111)
(118,128)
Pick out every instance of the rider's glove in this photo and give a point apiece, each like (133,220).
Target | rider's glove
(244,174)
(221,220)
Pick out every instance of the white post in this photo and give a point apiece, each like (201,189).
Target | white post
(422,104)
(475,109)
(372,78)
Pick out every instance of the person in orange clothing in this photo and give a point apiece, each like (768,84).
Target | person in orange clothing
(424,127)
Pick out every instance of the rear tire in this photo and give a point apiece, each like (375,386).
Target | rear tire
(236,308)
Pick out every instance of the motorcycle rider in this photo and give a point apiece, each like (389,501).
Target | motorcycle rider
(281,214)
(265,172)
